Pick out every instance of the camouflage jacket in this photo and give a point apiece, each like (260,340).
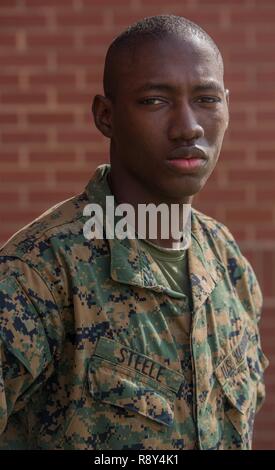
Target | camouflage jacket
(89,357)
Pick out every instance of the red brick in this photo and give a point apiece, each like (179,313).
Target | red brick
(240,234)
(266,115)
(80,176)
(50,41)
(265,155)
(6,119)
(265,195)
(49,3)
(268,259)
(255,215)
(22,20)
(98,38)
(75,136)
(50,156)
(229,39)
(265,76)
(94,76)
(217,3)
(8,3)
(52,78)
(267,444)
(22,177)
(234,75)
(250,255)
(225,195)
(50,119)
(23,137)
(265,37)
(255,135)
(48,198)
(228,155)
(27,98)
(271,384)
(78,58)
(123,19)
(267,329)
(259,95)
(87,27)
(236,88)
(97,158)
(268,316)
(5,235)
(22,217)
(104,3)
(154,3)
(205,17)
(74,97)
(23,60)
(268,417)
(256,16)
(7,157)
(8,197)
(267,233)
(7,40)
(79,19)
(236,116)
(254,56)
(8,80)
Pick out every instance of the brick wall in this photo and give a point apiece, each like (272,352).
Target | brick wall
(51,59)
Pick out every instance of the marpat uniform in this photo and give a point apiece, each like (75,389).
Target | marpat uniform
(97,352)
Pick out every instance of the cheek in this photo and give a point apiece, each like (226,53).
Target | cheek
(215,128)
(138,133)
(127,127)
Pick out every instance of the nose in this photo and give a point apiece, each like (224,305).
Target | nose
(184,124)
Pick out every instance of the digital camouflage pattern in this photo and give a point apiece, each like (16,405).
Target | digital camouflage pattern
(91,340)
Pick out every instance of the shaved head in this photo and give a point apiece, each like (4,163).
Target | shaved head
(136,36)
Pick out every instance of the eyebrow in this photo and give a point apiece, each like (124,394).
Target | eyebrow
(204,86)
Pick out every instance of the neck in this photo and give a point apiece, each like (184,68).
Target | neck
(131,193)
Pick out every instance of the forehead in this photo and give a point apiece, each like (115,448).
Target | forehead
(180,62)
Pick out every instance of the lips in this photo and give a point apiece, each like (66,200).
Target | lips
(187,153)
(191,159)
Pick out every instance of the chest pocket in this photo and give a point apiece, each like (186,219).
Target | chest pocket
(137,393)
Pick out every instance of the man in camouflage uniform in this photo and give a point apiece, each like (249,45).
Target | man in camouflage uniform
(121,344)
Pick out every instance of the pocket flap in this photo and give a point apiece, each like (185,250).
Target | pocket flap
(134,361)
(124,388)
(21,329)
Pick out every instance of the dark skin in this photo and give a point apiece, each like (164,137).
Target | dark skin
(185,105)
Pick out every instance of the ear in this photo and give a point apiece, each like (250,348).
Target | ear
(102,112)
(227,96)
(227,101)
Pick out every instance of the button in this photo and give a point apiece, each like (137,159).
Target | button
(229,362)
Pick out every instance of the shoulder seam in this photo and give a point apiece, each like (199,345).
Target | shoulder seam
(40,220)
(55,226)
(43,280)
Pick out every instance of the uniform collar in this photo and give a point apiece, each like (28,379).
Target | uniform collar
(131,265)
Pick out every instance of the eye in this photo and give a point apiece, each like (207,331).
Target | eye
(208,99)
(151,101)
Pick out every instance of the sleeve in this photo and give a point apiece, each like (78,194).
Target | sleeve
(29,338)
(244,279)
(245,282)
(252,299)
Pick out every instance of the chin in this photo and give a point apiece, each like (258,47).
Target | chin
(184,190)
